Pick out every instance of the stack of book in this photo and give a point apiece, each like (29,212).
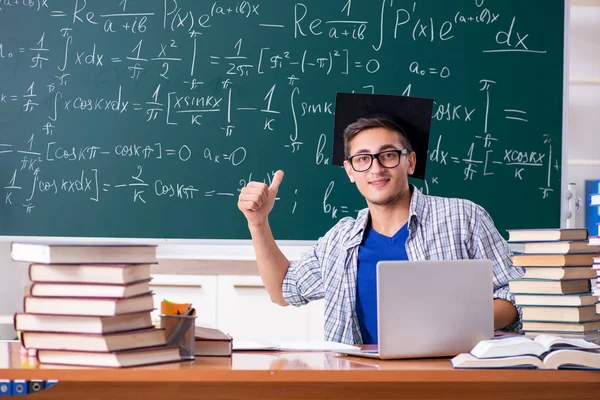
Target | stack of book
(90,305)
(595,241)
(555,291)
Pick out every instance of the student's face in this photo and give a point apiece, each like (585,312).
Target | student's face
(379,185)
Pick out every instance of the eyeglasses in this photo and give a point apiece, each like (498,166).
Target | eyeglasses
(387,159)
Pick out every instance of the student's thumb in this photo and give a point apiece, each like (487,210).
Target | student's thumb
(277,178)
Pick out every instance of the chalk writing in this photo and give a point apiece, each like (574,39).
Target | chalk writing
(176,105)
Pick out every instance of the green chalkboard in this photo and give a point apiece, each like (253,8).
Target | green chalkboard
(143,119)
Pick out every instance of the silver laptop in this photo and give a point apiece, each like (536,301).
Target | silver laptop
(432,308)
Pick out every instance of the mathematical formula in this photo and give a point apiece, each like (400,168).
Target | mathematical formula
(190,100)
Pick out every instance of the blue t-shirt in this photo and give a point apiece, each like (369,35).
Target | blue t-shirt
(375,247)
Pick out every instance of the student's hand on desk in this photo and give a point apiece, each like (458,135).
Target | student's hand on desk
(256,200)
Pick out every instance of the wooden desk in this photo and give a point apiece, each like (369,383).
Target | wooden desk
(272,375)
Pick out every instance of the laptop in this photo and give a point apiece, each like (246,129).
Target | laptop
(432,308)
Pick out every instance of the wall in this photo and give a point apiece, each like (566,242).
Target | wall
(13,278)
(583,135)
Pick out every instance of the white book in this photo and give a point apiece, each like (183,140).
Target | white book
(543,352)
(573,359)
(520,345)
(47,253)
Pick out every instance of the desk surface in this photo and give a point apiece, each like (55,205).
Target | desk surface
(267,375)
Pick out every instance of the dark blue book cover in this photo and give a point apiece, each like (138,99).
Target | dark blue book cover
(592,213)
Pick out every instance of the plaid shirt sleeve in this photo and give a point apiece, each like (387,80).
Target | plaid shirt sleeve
(491,245)
(303,281)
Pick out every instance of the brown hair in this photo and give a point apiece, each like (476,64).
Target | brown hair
(371,122)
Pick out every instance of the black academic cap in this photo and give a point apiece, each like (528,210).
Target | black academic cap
(411,114)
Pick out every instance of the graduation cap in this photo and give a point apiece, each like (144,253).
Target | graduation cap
(411,114)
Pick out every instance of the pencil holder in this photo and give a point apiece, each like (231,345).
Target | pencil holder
(179,331)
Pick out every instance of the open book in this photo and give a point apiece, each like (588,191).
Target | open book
(543,352)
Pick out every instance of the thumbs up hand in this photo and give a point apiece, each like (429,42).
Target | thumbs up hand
(256,200)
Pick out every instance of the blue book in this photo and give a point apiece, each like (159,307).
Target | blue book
(592,207)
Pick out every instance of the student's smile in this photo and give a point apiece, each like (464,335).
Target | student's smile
(379,183)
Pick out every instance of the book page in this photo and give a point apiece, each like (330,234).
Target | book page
(550,341)
(315,346)
(467,360)
(506,347)
(576,359)
(252,345)
(247,345)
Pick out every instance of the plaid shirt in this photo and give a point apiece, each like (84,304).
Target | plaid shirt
(439,229)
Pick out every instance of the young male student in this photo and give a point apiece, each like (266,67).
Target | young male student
(384,142)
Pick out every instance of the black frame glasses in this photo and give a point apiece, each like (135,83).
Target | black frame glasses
(385,163)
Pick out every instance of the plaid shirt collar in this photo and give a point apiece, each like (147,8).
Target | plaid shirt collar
(418,213)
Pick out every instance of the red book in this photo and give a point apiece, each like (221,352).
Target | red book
(94,342)
(81,324)
(71,289)
(88,305)
(117,359)
(116,274)
(212,342)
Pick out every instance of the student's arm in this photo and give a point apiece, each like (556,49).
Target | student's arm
(256,201)
(489,244)
(505,313)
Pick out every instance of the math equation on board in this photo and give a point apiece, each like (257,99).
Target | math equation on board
(125,107)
